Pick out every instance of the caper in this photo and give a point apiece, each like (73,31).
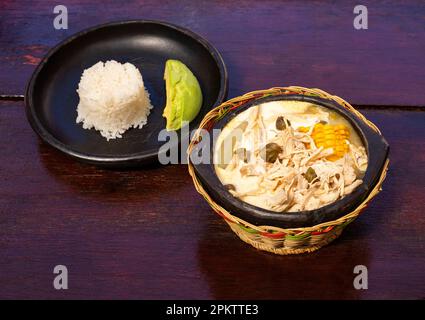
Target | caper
(243,154)
(230,187)
(270,152)
(280,123)
(310,174)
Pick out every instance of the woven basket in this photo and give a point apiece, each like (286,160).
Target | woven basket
(270,238)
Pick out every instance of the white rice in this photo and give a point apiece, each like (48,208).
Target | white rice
(113,99)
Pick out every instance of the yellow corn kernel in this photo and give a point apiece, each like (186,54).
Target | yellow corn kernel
(303,129)
(331,136)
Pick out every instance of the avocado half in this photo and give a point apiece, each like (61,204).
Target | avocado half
(184,95)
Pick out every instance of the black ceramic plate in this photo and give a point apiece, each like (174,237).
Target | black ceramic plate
(51,97)
(377,150)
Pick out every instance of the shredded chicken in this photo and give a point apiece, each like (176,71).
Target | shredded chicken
(296,175)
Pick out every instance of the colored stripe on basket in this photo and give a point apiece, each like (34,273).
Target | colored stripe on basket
(247,229)
(300,236)
(327,229)
(273,235)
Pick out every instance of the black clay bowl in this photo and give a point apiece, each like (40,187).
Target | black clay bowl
(51,97)
(377,149)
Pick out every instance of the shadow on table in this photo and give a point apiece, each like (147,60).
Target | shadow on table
(123,184)
(235,270)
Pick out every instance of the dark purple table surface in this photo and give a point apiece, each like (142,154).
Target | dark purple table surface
(146,233)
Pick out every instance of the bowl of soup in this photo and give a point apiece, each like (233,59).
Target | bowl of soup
(286,160)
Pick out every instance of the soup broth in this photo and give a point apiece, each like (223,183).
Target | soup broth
(289,156)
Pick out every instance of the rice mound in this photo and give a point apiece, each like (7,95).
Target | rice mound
(113,99)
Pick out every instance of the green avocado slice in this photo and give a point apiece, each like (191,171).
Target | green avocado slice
(183,93)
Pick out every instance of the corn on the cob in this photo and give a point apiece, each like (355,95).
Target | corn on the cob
(331,136)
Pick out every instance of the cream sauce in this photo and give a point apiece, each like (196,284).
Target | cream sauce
(299,114)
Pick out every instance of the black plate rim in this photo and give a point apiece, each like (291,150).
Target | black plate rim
(47,137)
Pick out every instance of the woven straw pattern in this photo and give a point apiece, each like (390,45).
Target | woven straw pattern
(270,238)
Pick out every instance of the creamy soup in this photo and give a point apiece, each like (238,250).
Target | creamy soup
(289,156)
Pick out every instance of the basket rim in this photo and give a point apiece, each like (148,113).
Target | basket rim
(217,113)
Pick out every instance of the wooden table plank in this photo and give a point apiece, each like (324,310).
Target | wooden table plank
(147,233)
(264,43)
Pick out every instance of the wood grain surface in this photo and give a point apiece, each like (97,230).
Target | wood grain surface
(147,233)
(264,43)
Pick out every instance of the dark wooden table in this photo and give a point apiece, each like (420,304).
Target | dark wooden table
(146,233)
